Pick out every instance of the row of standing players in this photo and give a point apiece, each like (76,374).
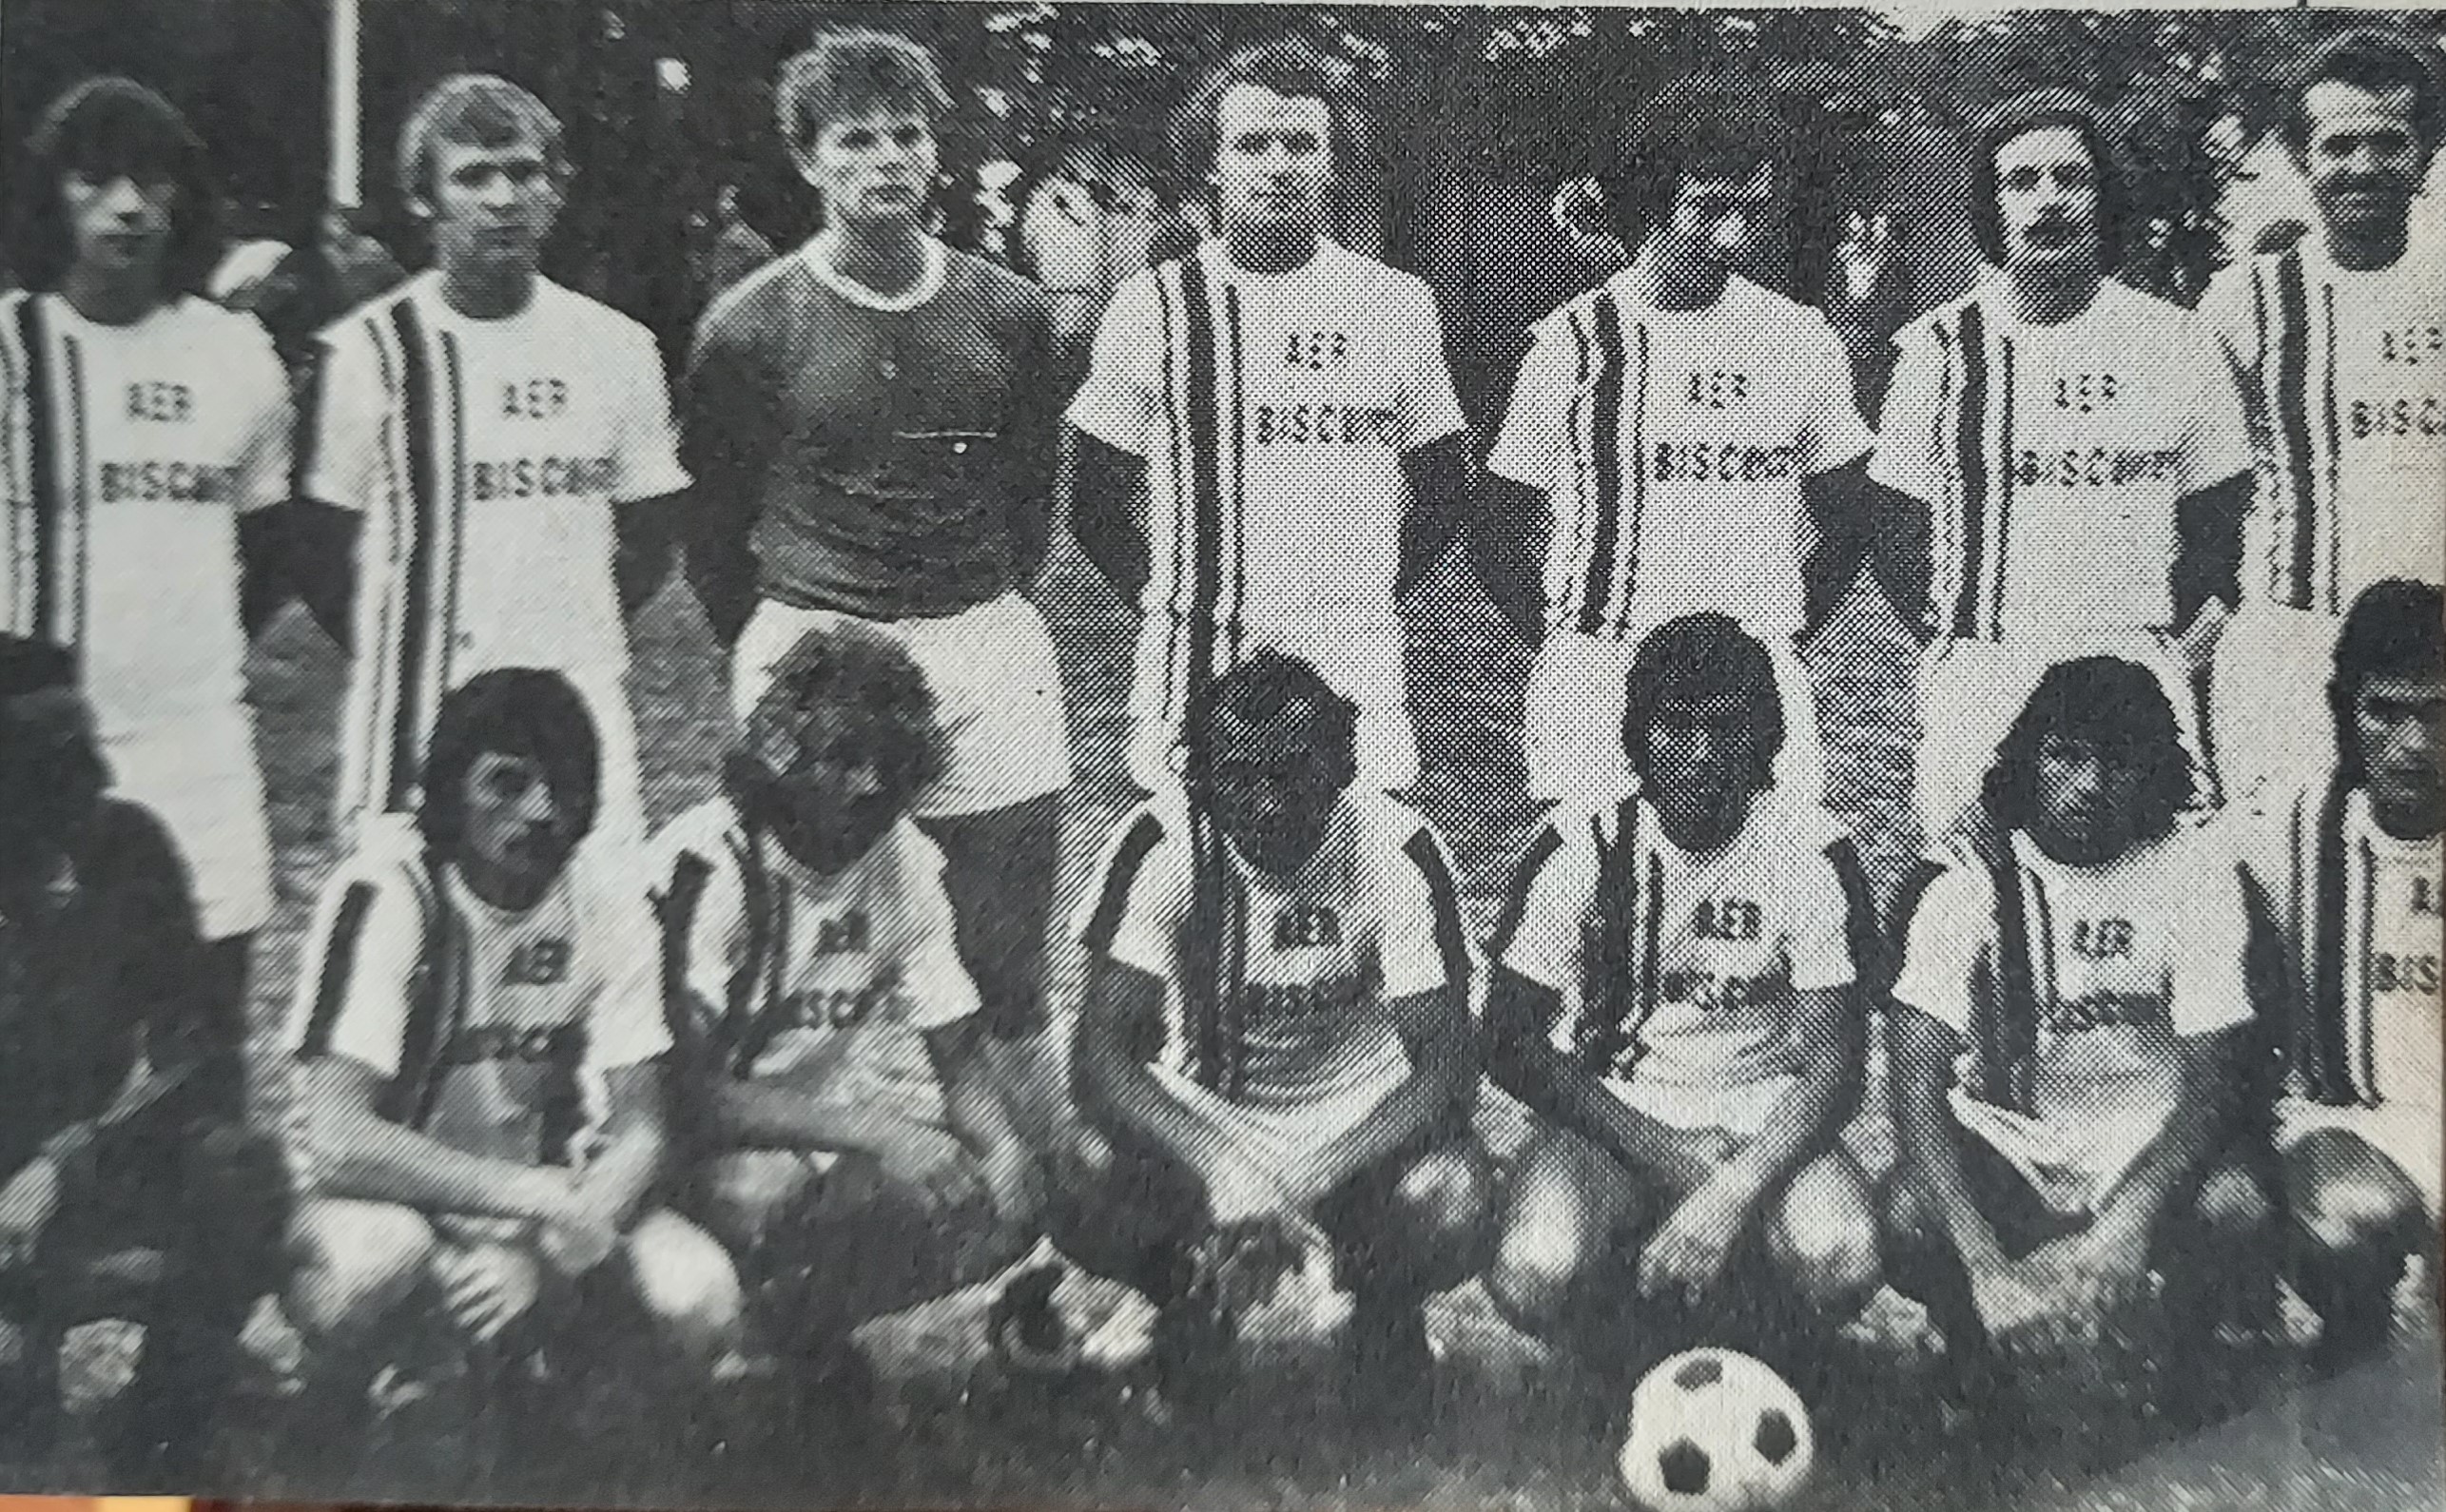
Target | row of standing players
(866,451)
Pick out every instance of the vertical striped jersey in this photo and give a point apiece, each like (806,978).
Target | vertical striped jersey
(1677,969)
(1273,411)
(490,1029)
(2051,457)
(2068,987)
(2354,912)
(1672,445)
(823,982)
(2346,375)
(1275,986)
(485,456)
(127,453)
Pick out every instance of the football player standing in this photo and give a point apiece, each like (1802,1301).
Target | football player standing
(492,450)
(1667,437)
(2074,447)
(1283,405)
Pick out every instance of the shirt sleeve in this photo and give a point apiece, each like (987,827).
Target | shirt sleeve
(1948,930)
(1430,410)
(1529,445)
(1118,402)
(353,988)
(343,423)
(2211,942)
(2218,445)
(625,1025)
(701,947)
(1133,914)
(1539,937)
(1422,945)
(649,438)
(262,475)
(937,983)
(1910,456)
(2229,311)
(1834,435)
(1819,948)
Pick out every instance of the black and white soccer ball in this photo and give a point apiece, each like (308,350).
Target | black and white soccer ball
(1712,1430)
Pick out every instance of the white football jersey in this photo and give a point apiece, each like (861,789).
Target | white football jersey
(2051,457)
(2346,374)
(824,983)
(127,455)
(486,456)
(1275,986)
(2117,962)
(1677,969)
(1672,445)
(490,1029)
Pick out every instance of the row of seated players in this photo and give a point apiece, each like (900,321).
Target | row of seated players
(754,1106)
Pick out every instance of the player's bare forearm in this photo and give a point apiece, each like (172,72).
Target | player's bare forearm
(2208,558)
(2200,1122)
(648,531)
(1921,1052)
(765,1116)
(1508,547)
(263,585)
(1115,1087)
(1439,477)
(1522,1060)
(973,1105)
(635,1141)
(1434,1029)
(1826,1046)
(721,564)
(1108,511)
(353,1152)
(317,545)
(1906,537)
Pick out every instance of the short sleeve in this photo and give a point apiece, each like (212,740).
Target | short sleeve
(1537,938)
(344,421)
(926,941)
(1140,897)
(2218,445)
(1430,410)
(1834,435)
(1117,403)
(2231,315)
(1421,947)
(1910,456)
(648,440)
(2208,962)
(354,983)
(262,473)
(1820,946)
(1948,930)
(625,1023)
(1529,445)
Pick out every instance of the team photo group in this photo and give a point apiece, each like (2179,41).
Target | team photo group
(623,1122)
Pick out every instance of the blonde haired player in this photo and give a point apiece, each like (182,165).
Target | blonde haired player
(492,449)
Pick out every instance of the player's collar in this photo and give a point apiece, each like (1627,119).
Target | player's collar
(929,280)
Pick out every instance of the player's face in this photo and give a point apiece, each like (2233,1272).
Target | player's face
(1702,761)
(119,220)
(2047,198)
(1715,222)
(492,207)
(1273,159)
(1274,787)
(2396,724)
(2362,157)
(517,829)
(2089,800)
(826,797)
(871,168)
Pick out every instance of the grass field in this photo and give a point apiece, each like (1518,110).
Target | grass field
(1512,1431)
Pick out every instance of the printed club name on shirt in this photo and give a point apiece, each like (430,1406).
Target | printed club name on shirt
(1307,423)
(858,988)
(541,399)
(2415,412)
(2095,465)
(154,402)
(2107,946)
(2413,973)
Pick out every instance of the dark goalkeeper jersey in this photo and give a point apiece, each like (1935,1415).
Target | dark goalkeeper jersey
(894,461)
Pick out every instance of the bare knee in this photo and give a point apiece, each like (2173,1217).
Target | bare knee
(1823,1238)
(686,1283)
(2345,1198)
(356,1263)
(1552,1238)
(2233,1207)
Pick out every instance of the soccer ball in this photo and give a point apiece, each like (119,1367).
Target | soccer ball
(1716,1431)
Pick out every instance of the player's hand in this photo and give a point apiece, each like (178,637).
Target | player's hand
(27,1203)
(578,1237)
(1683,1259)
(485,1288)
(1015,1187)
(2197,642)
(2108,1268)
(2023,1309)
(929,1161)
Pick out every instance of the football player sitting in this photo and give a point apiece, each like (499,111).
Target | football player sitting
(1276,1044)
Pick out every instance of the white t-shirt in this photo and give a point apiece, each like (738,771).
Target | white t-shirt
(826,984)
(2346,374)
(2376,1040)
(127,455)
(1672,445)
(2051,457)
(491,1029)
(486,456)
(2124,959)
(1273,411)
(1275,987)
(1713,944)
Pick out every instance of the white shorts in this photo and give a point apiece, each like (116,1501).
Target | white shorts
(996,694)
(1572,725)
(2407,1135)
(197,773)
(1743,1112)
(1359,654)
(2268,720)
(619,805)
(1972,691)
(1276,1137)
